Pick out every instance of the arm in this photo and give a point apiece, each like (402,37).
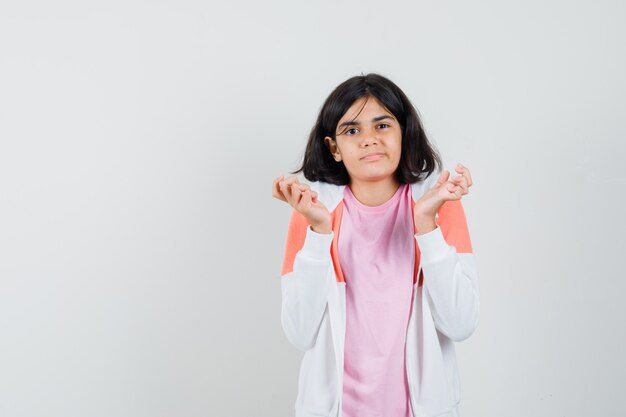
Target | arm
(304,281)
(450,277)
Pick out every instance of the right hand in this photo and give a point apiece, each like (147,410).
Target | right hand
(304,200)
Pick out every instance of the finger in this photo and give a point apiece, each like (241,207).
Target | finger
(285,189)
(304,188)
(468,175)
(455,192)
(453,187)
(296,194)
(313,195)
(276,192)
(443,177)
(292,180)
(305,201)
(465,172)
(461,181)
(310,194)
(288,182)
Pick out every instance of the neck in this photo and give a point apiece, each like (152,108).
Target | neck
(374,193)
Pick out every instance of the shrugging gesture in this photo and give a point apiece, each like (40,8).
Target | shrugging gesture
(304,200)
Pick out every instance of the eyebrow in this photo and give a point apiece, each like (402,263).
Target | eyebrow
(355,123)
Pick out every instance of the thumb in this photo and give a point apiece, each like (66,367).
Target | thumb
(443,177)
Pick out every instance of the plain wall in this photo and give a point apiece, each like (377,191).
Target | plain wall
(140,247)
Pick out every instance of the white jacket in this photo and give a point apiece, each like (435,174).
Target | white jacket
(445,308)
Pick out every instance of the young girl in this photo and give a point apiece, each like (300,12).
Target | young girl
(378,277)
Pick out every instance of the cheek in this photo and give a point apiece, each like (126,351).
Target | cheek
(395,143)
(352,154)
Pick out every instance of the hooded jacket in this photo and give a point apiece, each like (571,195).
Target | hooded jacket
(444,310)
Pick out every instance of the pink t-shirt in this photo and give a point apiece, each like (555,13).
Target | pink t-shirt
(377,254)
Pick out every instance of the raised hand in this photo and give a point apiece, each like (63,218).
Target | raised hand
(443,190)
(304,200)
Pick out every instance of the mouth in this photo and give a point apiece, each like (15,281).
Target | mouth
(372,156)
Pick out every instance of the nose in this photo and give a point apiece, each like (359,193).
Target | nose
(369,138)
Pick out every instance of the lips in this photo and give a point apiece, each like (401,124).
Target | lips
(373,155)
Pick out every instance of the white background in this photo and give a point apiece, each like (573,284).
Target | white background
(140,247)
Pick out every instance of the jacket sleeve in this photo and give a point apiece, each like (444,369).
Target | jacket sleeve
(450,276)
(304,281)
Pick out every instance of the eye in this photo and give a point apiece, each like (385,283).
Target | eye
(383,124)
(347,131)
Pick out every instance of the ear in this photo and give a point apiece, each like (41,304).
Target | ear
(332,146)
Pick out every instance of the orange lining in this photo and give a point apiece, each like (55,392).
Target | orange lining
(334,250)
(451,220)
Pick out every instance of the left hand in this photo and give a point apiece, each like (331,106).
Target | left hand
(444,190)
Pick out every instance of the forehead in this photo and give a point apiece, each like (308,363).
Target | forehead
(357,110)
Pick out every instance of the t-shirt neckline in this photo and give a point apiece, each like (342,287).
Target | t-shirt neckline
(378,208)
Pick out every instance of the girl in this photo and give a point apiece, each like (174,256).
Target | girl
(378,277)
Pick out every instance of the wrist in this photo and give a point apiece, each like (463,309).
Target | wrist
(424,224)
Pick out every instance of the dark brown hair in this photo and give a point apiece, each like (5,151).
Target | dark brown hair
(419,158)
